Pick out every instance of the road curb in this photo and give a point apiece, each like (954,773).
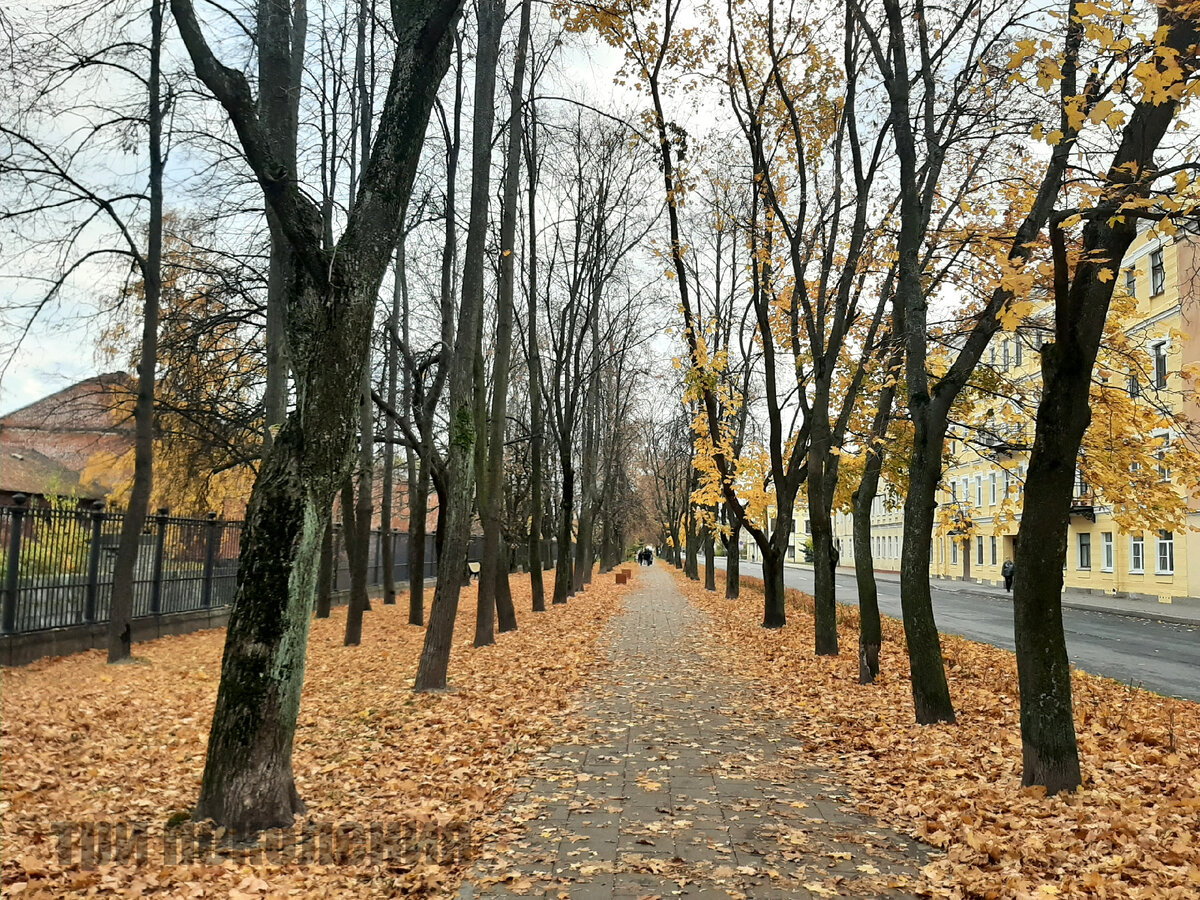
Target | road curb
(966,588)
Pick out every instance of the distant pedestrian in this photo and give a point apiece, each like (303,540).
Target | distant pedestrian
(834,556)
(1008,570)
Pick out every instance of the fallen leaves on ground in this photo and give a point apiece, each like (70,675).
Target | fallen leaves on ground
(87,742)
(1132,830)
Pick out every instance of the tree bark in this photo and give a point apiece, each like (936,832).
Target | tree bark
(121,611)
(417,512)
(562,570)
(464,426)
(494,567)
(363,503)
(931,692)
(325,573)
(824,596)
(248,783)
(870,628)
(1049,751)
(537,421)
(710,558)
(733,561)
(774,609)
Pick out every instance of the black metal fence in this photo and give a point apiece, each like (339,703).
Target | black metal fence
(56,565)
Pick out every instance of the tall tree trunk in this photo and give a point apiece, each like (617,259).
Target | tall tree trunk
(733,561)
(691,566)
(363,497)
(494,568)
(464,427)
(396,328)
(280,111)
(248,783)
(537,419)
(710,559)
(325,573)
(1050,754)
(774,608)
(931,693)
(870,628)
(418,505)
(121,611)
(562,570)
(824,596)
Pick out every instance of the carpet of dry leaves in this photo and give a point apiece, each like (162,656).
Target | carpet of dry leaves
(1133,830)
(83,741)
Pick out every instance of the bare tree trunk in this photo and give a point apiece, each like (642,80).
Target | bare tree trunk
(824,599)
(363,496)
(870,629)
(248,783)
(121,612)
(733,561)
(494,568)
(562,570)
(464,427)
(710,559)
(417,511)
(325,574)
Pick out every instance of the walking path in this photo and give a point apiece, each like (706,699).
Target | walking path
(675,787)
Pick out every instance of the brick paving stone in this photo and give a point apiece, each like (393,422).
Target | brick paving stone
(673,787)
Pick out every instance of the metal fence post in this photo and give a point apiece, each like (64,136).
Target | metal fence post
(160,540)
(379,557)
(93,582)
(13,564)
(210,561)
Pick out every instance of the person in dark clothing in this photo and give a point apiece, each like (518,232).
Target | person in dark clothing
(834,556)
(1008,570)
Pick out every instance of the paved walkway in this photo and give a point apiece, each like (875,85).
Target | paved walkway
(675,787)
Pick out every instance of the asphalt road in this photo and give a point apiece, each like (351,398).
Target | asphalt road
(1158,656)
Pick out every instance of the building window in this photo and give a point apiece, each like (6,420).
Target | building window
(953,552)
(993,549)
(1131,282)
(1017,349)
(1137,554)
(954,490)
(1164,470)
(1106,544)
(992,482)
(1135,389)
(1007,481)
(1158,273)
(1166,553)
(808,526)
(1160,364)
(1085,551)
(979,549)
(979,490)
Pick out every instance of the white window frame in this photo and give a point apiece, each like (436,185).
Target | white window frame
(979,549)
(1083,548)
(979,491)
(1107,551)
(953,552)
(994,549)
(1131,282)
(1164,540)
(992,482)
(1137,554)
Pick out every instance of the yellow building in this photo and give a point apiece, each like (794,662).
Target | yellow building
(982,490)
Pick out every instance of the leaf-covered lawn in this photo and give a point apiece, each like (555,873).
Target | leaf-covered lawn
(1132,831)
(86,742)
